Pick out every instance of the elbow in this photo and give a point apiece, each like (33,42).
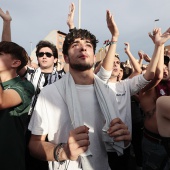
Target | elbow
(159,77)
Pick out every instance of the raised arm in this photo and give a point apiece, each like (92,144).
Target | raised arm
(159,41)
(140,53)
(136,66)
(6,32)
(109,59)
(70,19)
(157,59)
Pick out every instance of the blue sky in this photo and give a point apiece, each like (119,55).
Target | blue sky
(32,20)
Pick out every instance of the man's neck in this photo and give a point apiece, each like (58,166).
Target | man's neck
(83,77)
(113,79)
(47,70)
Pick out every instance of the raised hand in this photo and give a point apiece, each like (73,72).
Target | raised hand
(127,47)
(155,32)
(70,19)
(5,16)
(158,38)
(140,53)
(112,26)
(146,58)
(161,39)
(78,142)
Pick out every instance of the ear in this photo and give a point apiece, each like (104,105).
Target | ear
(16,63)
(55,60)
(66,58)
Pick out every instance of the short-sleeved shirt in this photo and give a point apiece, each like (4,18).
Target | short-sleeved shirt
(13,124)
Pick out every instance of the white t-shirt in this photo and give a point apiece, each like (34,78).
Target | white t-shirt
(51,117)
(123,91)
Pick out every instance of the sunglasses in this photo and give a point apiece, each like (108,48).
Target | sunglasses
(41,54)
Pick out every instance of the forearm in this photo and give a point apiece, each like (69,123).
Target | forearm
(159,70)
(140,62)
(109,59)
(151,69)
(42,150)
(136,66)
(6,33)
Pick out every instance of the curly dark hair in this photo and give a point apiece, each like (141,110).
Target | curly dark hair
(16,51)
(48,44)
(78,33)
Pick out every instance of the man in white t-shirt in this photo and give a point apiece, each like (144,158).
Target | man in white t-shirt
(124,89)
(51,116)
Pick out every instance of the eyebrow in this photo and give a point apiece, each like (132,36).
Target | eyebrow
(78,41)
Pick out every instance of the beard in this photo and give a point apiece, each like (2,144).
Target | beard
(81,67)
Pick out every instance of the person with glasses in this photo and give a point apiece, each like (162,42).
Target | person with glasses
(45,74)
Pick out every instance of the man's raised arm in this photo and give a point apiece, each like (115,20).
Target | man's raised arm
(6,32)
(108,60)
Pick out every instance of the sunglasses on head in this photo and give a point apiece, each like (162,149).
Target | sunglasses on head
(41,54)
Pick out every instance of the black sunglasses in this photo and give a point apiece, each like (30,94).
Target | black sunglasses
(41,54)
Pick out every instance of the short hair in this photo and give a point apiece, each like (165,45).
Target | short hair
(117,56)
(44,43)
(78,33)
(15,51)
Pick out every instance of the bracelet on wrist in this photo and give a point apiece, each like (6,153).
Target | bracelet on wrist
(111,42)
(57,151)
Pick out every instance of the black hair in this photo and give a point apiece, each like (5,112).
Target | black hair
(45,43)
(15,51)
(166,60)
(78,33)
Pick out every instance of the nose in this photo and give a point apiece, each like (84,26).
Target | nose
(83,47)
(114,63)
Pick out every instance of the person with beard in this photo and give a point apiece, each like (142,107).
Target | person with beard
(73,122)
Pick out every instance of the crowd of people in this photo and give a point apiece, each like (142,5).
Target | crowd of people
(93,116)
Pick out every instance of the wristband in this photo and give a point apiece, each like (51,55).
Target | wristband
(112,42)
(56,152)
